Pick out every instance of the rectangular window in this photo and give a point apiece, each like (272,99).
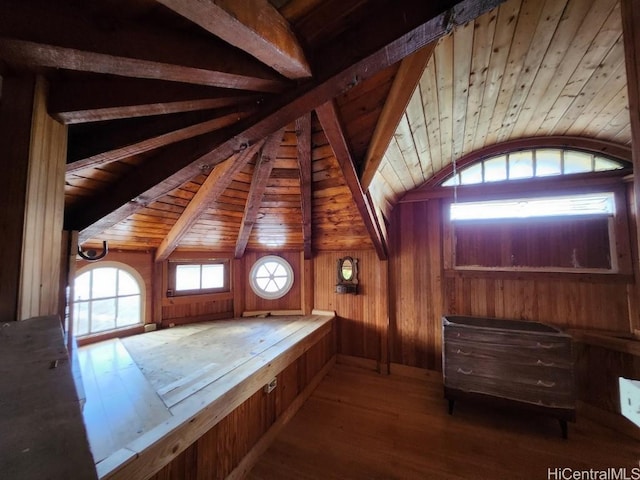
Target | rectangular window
(192,278)
(559,233)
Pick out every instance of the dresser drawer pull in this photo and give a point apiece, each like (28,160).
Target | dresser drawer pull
(545,364)
(546,384)
(462,352)
(545,345)
(465,372)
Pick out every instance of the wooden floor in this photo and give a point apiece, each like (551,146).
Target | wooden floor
(361,425)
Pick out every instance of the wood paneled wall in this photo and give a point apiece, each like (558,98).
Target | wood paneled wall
(44,211)
(220,450)
(362,319)
(32,195)
(422,291)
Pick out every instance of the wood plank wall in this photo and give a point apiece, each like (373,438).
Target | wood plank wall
(44,211)
(361,318)
(220,450)
(423,291)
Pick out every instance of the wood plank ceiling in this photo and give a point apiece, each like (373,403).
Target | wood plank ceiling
(294,124)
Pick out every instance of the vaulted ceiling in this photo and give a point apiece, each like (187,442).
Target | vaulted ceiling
(298,124)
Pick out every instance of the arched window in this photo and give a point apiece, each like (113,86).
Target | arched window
(271,277)
(107,296)
(533,163)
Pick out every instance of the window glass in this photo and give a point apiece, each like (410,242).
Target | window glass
(495,169)
(604,164)
(548,162)
(213,276)
(188,277)
(472,174)
(577,162)
(271,277)
(106,298)
(520,165)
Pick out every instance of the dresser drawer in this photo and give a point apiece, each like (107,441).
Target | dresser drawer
(558,355)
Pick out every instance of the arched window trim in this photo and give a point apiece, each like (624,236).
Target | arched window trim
(131,271)
(588,145)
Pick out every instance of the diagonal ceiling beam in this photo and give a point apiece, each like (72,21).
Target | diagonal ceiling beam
(73,37)
(303,134)
(254,26)
(90,100)
(259,183)
(386,46)
(328,116)
(404,85)
(129,142)
(214,185)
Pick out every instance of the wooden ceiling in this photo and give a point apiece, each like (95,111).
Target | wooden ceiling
(298,124)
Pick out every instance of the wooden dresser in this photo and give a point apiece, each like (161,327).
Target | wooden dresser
(510,362)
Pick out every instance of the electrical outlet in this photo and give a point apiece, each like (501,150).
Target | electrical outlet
(630,399)
(271,386)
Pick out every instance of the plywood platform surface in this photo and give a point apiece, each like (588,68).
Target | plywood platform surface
(144,388)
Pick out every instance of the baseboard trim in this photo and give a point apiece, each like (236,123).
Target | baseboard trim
(608,419)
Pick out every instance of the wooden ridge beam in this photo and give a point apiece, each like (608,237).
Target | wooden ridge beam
(123,146)
(254,26)
(261,176)
(404,84)
(303,134)
(387,46)
(89,100)
(215,184)
(71,36)
(330,121)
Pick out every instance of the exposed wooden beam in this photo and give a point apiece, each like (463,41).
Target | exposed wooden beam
(90,100)
(303,134)
(330,121)
(404,85)
(254,26)
(73,37)
(261,176)
(124,144)
(386,45)
(631,31)
(215,184)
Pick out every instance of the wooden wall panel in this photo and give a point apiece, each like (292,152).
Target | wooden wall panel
(416,283)
(362,318)
(44,211)
(291,301)
(423,291)
(220,450)
(15,137)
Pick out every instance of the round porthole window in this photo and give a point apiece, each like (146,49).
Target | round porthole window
(271,277)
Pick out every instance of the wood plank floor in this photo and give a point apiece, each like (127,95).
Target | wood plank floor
(361,425)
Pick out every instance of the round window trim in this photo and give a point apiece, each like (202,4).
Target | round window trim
(260,272)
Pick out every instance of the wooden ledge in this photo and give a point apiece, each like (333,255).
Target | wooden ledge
(616,341)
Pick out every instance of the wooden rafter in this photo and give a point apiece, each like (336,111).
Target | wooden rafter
(215,184)
(89,100)
(303,134)
(405,83)
(259,183)
(386,45)
(254,26)
(122,145)
(330,121)
(62,35)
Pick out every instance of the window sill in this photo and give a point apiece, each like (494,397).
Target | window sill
(108,335)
